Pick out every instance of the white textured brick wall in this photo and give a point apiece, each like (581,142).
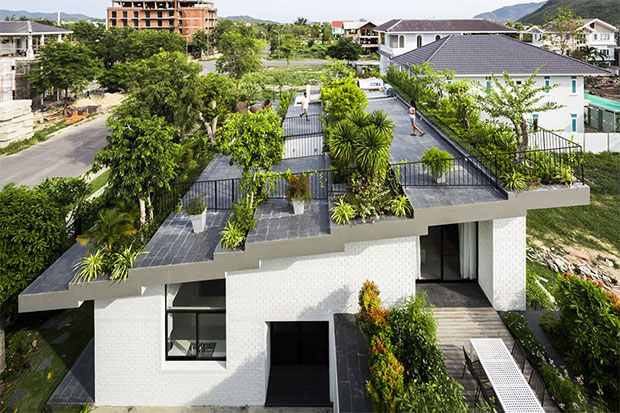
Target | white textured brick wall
(129,333)
(502,262)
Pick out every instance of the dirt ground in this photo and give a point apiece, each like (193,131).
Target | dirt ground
(105,101)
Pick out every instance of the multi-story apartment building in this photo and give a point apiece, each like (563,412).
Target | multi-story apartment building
(183,17)
(594,33)
(400,36)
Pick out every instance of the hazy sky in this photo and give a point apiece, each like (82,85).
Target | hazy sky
(288,10)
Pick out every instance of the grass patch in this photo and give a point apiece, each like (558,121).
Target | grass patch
(99,182)
(293,75)
(39,136)
(29,344)
(592,225)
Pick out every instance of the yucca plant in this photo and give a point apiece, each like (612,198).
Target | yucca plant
(123,261)
(400,206)
(382,121)
(91,267)
(342,212)
(342,143)
(232,236)
(372,151)
(359,118)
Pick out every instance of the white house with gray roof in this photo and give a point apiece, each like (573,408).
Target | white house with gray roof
(477,57)
(399,36)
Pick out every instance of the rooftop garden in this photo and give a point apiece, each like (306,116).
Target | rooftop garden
(520,155)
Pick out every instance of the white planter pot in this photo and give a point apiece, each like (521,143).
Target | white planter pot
(199,222)
(298,207)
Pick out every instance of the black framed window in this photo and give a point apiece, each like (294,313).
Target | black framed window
(196,321)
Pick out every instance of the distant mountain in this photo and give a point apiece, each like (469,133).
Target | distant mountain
(50,16)
(247,19)
(511,13)
(606,10)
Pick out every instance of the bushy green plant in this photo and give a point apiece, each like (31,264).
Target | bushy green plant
(342,212)
(400,206)
(382,122)
(517,325)
(565,175)
(285,102)
(372,151)
(298,188)
(437,161)
(121,263)
(91,267)
(443,394)
(514,180)
(341,97)
(342,141)
(232,235)
(196,205)
(586,334)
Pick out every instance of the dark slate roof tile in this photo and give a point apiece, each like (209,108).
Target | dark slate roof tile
(444,25)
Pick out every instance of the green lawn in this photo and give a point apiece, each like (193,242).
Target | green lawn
(594,226)
(293,75)
(30,344)
(99,182)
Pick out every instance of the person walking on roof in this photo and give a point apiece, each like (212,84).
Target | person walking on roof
(305,105)
(412,117)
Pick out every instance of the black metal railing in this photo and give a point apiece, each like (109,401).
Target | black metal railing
(550,158)
(450,172)
(298,126)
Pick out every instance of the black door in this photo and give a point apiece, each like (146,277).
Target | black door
(299,374)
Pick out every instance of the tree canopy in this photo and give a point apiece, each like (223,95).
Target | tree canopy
(140,155)
(240,54)
(64,66)
(345,49)
(201,43)
(513,101)
(288,46)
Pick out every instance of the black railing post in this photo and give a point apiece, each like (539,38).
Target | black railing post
(216,206)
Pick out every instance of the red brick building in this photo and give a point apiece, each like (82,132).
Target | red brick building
(183,17)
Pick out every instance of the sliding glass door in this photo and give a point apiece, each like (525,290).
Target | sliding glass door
(449,253)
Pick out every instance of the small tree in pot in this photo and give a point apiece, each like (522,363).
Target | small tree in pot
(196,208)
(437,161)
(298,191)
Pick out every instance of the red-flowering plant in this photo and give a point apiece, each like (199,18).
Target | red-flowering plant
(298,188)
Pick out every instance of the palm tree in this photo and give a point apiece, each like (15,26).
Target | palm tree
(382,121)
(342,143)
(112,226)
(372,151)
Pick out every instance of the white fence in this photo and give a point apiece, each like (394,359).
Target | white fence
(595,142)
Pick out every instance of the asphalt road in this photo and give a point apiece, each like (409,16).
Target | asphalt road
(69,153)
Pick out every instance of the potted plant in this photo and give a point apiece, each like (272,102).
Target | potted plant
(196,208)
(437,161)
(298,192)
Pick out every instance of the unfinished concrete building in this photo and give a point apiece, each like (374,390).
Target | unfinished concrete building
(183,17)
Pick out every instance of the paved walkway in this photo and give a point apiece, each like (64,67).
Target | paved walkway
(69,153)
(78,386)
(211,409)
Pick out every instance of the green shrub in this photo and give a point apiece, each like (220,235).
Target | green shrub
(568,393)
(285,102)
(514,180)
(437,161)
(238,225)
(196,205)
(341,97)
(342,212)
(587,334)
(232,236)
(400,206)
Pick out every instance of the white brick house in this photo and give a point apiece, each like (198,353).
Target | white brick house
(477,57)
(195,325)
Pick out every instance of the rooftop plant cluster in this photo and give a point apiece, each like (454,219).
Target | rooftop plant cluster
(457,108)
(359,146)
(407,368)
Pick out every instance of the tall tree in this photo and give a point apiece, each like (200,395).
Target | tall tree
(64,66)
(217,100)
(201,43)
(345,49)
(255,143)
(326,33)
(140,155)
(87,34)
(563,31)
(513,101)
(166,85)
(240,54)
(301,21)
(288,46)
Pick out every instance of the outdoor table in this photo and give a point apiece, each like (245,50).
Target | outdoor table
(512,390)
